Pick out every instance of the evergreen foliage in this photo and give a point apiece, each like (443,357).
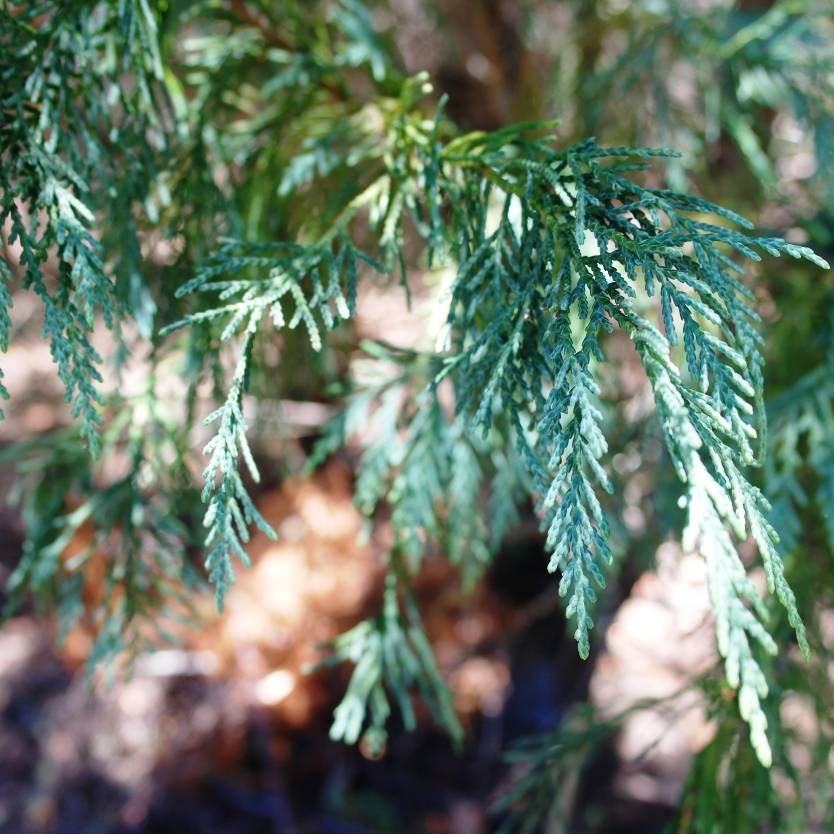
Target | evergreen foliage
(76,139)
(390,652)
(802,428)
(123,530)
(738,62)
(288,163)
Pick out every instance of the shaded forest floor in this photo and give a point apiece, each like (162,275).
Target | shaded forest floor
(228,733)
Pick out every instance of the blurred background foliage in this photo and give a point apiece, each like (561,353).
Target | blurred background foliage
(233,130)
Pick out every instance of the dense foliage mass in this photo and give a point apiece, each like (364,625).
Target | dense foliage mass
(210,181)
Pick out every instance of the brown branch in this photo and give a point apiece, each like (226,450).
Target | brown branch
(247,15)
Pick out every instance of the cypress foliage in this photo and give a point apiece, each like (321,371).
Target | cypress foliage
(113,130)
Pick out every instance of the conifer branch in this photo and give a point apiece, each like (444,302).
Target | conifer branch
(552,247)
